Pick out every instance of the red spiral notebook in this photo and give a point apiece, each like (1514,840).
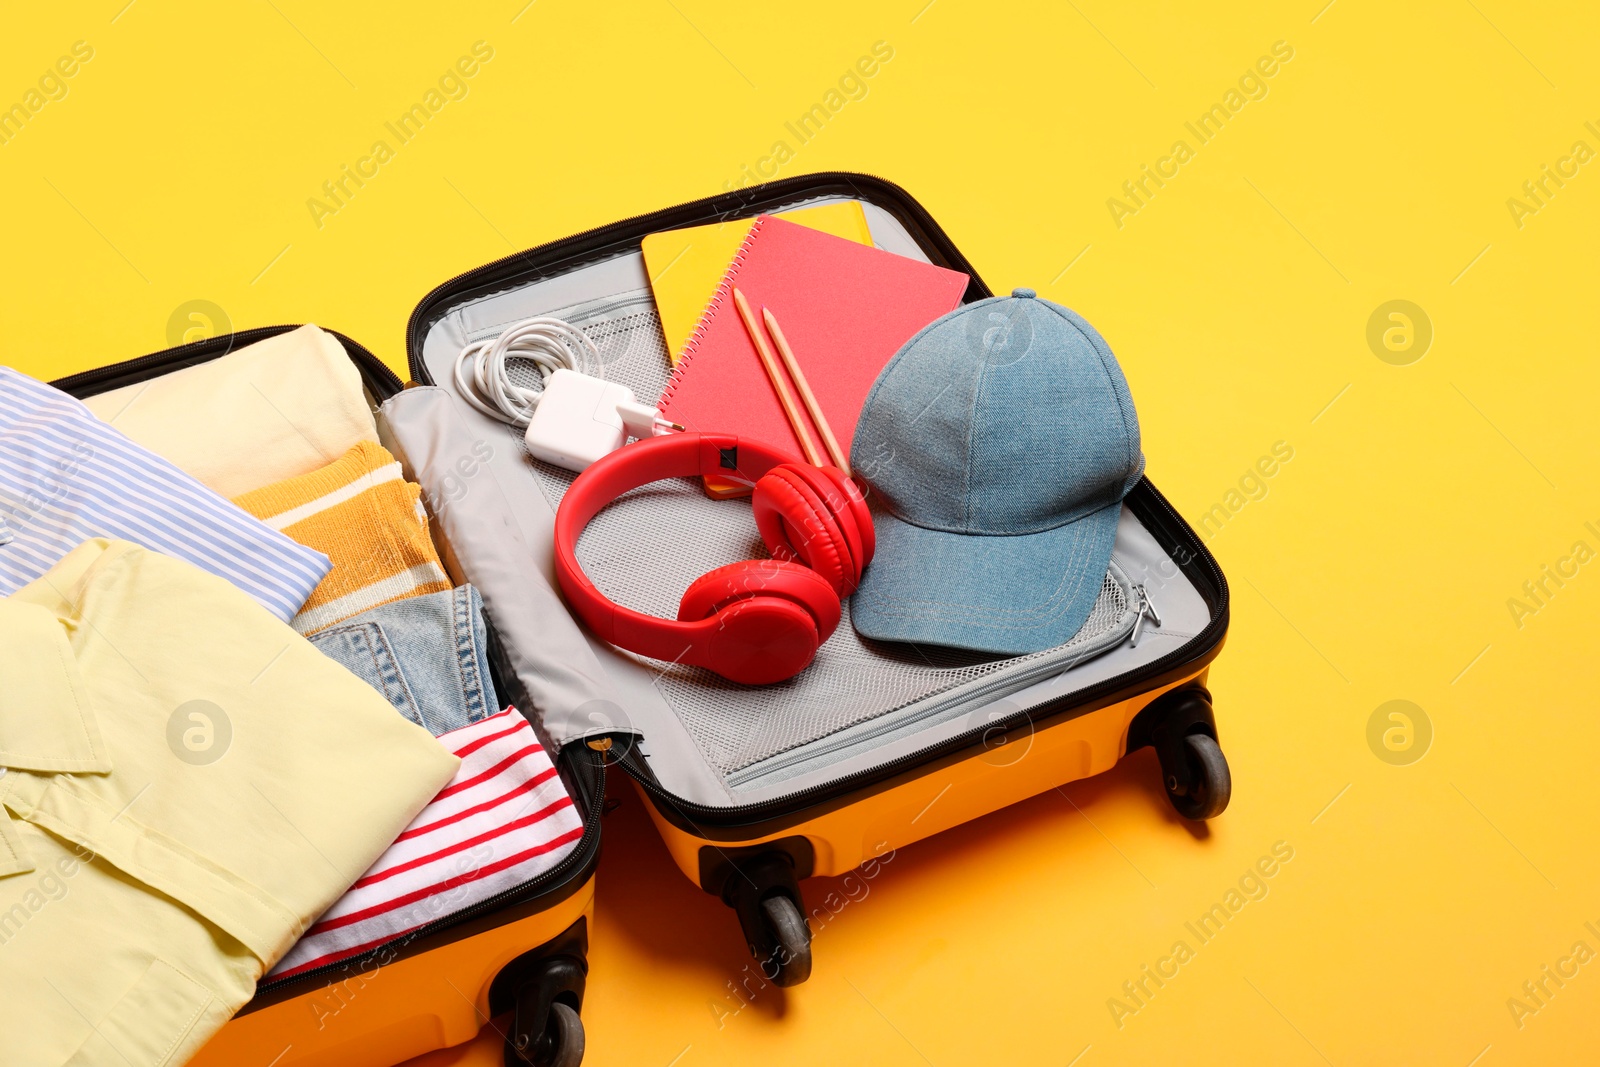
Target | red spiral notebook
(845,308)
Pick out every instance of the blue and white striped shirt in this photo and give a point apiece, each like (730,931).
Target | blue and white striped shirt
(66,477)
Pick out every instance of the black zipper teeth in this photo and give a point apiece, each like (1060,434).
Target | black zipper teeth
(497,270)
(364,357)
(793,803)
(527,890)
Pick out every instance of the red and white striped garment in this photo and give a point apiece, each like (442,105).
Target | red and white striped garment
(504,819)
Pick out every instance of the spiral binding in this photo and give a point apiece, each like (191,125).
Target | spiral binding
(723,291)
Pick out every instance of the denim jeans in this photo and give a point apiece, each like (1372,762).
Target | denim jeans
(427,654)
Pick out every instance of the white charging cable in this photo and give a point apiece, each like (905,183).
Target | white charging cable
(550,344)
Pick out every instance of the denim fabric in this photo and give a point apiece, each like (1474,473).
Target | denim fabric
(427,654)
(1001,440)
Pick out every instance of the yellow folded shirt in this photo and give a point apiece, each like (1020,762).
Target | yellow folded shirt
(362,513)
(188,785)
(271,410)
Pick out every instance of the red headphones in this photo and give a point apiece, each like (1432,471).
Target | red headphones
(754,622)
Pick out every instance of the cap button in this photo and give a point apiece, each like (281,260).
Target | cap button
(1025,294)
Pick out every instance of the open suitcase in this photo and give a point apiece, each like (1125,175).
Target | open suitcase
(872,747)
(522,951)
(753,789)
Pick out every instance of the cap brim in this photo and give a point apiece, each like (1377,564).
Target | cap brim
(1008,594)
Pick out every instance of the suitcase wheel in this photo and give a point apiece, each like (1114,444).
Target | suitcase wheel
(559,1045)
(1182,729)
(545,995)
(761,885)
(790,960)
(1201,787)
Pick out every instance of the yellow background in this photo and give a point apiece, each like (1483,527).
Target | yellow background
(1377,567)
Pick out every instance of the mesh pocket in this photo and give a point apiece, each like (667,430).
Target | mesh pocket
(645,549)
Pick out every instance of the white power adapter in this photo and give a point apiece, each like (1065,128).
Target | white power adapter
(579,419)
(572,418)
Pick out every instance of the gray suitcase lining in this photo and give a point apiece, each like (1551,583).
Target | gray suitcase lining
(710,741)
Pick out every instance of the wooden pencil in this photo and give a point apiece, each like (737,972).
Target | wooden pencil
(810,398)
(775,375)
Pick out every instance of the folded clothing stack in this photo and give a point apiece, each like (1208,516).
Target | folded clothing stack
(504,819)
(385,610)
(328,535)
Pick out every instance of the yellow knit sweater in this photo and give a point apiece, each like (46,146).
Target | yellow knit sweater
(368,519)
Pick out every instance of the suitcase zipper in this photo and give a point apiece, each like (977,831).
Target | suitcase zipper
(1145,608)
(931,712)
(582,856)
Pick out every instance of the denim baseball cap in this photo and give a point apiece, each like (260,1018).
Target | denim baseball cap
(998,443)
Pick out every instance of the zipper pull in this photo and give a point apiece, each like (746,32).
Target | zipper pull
(1146,608)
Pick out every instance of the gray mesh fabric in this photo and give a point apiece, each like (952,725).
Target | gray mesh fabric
(645,549)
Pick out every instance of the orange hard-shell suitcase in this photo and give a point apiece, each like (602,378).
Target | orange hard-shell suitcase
(522,954)
(754,788)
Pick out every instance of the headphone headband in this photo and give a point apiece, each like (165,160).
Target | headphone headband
(680,455)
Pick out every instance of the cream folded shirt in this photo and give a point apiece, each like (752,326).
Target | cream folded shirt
(269,411)
(187,784)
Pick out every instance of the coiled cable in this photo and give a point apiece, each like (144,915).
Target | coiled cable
(550,344)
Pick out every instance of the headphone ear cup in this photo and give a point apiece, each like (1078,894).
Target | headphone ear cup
(856,504)
(804,515)
(770,619)
(846,506)
(797,525)
(766,578)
